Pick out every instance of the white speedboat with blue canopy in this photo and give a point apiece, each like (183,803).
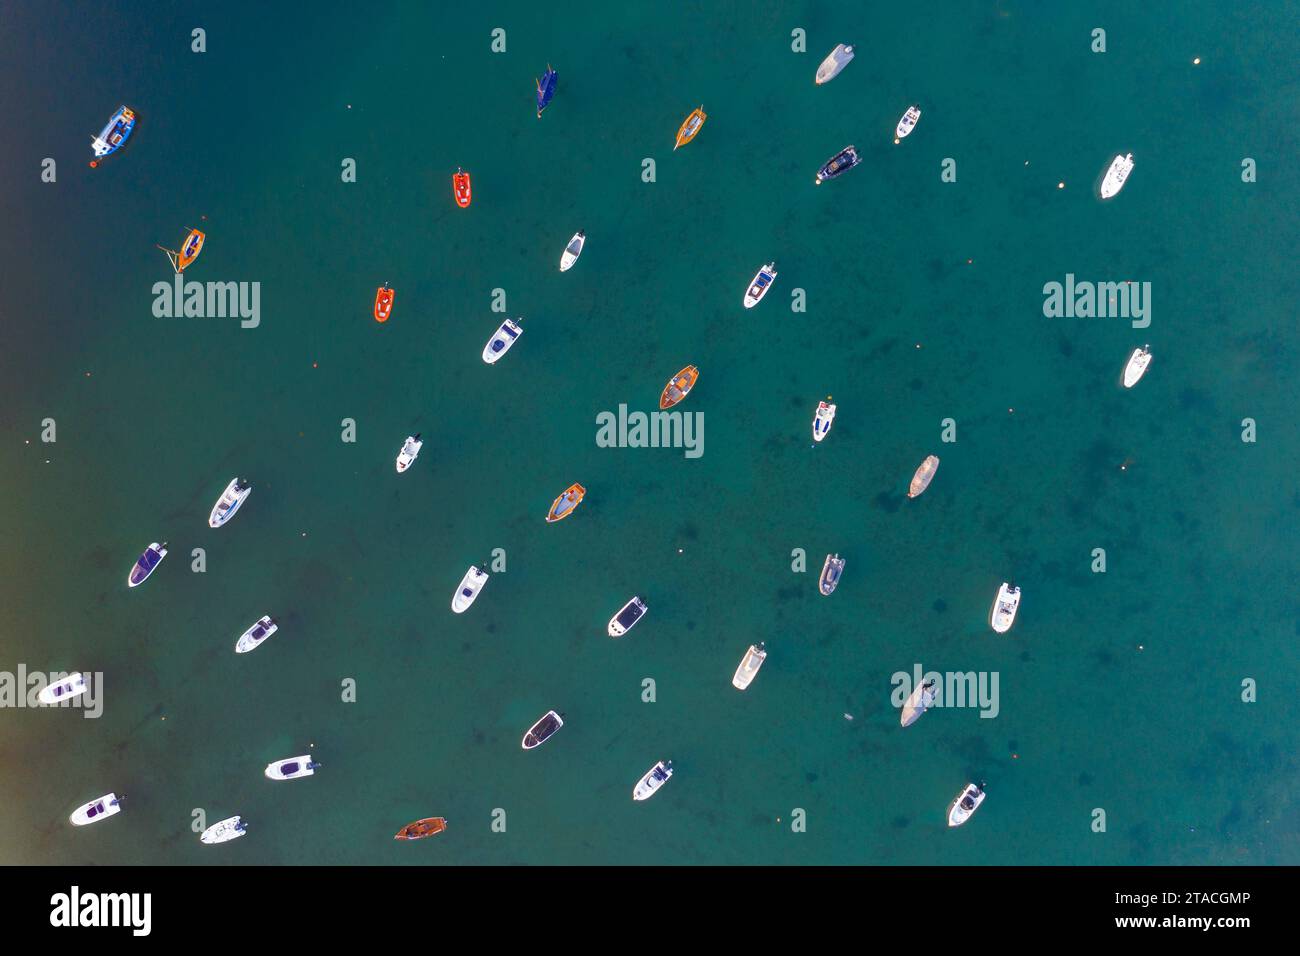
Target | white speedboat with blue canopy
(146,563)
(252,638)
(96,810)
(231,828)
(654,778)
(74,685)
(501,341)
(470,585)
(292,768)
(229,502)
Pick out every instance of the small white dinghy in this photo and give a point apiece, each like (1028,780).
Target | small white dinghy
(749,665)
(923,476)
(822,420)
(96,810)
(573,250)
(918,703)
(626,618)
(907,123)
(967,802)
(501,341)
(229,502)
(470,585)
(1004,608)
(543,730)
(832,568)
(292,768)
(838,59)
(1116,175)
(146,563)
(410,451)
(252,638)
(1137,366)
(763,280)
(231,828)
(655,778)
(74,685)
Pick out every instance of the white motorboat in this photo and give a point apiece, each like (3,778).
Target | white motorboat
(146,563)
(229,502)
(1116,175)
(1136,366)
(292,768)
(624,620)
(252,638)
(967,802)
(74,685)
(908,122)
(573,250)
(823,420)
(838,59)
(832,568)
(96,810)
(923,476)
(501,341)
(470,585)
(763,280)
(655,778)
(1005,607)
(231,828)
(543,730)
(410,451)
(918,703)
(749,665)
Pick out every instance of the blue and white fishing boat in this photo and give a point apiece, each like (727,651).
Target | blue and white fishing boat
(840,163)
(114,135)
(96,810)
(545,89)
(145,564)
(758,288)
(501,341)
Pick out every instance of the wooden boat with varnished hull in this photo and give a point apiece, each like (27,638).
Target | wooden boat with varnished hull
(567,503)
(679,386)
(421,829)
(691,126)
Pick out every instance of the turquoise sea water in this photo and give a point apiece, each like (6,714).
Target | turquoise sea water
(924,302)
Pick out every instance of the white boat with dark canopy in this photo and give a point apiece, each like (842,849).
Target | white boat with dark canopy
(624,620)
(252,638)
(763,280)
(74,685)
(470,585)
(146,563)
(920,700)
(1116,175)
(655,778)
(96,810)
(967,802)
(1005,606)
(822,420)
(749,665)
(831,572)
(501,341)
(1136,366)
(410,451)
(231,828)
(543,730)
(839,58)
(292,768)
(573,250)
(907,123)
(229,502)
(838,164)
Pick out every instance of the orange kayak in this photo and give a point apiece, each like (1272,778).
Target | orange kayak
(567,503)
(679,386)
(460,187)
(421,829)
(383,303)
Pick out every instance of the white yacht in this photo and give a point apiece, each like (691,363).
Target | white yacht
(292,768)
(908,122)
(96,810)
(470,585)
(749,665)
(655,778)
(74,685)
(837,60)
(823,420)
(146,563)
(1137,366)
(624,620)
(1116,175)
(967,802)
(543,730)
(231,828)
(229,502)
(918,703)
(763,280)
(252,638)
(501,341)
(573,250)
(831,571)
(1005,607)
(410,451)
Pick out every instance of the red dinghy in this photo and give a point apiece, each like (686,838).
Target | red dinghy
(460,187)
(383,303)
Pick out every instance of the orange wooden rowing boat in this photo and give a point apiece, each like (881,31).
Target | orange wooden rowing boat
(383,303)
(567,503)
(190,249)
(679,386)
(422,828)
(690,126)
(460,187)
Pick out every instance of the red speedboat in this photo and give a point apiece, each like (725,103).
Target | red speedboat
(460,187)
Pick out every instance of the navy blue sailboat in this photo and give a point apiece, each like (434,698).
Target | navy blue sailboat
(545,89)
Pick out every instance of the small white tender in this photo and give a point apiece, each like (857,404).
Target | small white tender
(252,638)
(626,618)
(229,502)
(1116,175)
(1136,366)
(838,59)
(908,122)
(967,802)
(96,810)
(231,828)
(292,768)
(749,665)
(470,585)
(573,250)
(410,451)
(74,685)
(655,778)
(1004,608)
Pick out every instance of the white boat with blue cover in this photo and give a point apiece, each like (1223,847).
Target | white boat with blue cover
(96,810)
(252,638)
(74,685)
(229,502)
(763,280)
(114,134)
(470,585)
(907,123)
(625,619)
(572,250)
(231,828)
(839,58)
(654,778)
(501,341)
(822,420)
(146,564)
(292,768)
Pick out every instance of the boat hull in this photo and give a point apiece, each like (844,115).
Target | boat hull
(142,570)
(546,89)
(383,303)
(760,285)
(626,618)
(822,421)
(291,768)
(572,251)
(748,667)
(410,451)
(916,704)
(838,164)
(690,127)
(470,586)
(1136,366)
(223,832)
(461,189)
(567,503)
(502,340)
(959,814)
(257,635)
(70,688)
(228,503)
(653,781)
(96,810)
(837,60)
(923,476)
(679,386)
(429,826)
(114,134)
(1005,607)
(542,731)
(1116,175)
(830,576)
(907,123)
